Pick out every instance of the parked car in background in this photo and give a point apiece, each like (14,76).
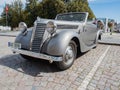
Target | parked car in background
(118,27)
(59,40)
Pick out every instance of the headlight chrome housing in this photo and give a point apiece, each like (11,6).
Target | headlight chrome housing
(51,27)
(22,26)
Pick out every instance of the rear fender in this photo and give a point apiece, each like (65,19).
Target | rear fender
(99,33)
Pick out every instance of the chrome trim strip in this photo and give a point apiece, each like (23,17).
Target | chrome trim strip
(67,26)
(37,55)
(33,33)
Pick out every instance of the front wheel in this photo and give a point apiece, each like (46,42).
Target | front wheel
(68,56)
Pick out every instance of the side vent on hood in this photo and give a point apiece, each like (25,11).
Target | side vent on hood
(67,26)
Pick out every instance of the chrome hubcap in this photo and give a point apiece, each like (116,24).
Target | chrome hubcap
(69,55)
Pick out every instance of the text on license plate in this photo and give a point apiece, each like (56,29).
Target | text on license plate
(14,45)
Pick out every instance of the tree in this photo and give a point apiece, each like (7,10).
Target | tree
(3,16)
(31,11)
(80,6)
(50,8)
(45,9)
(15,14)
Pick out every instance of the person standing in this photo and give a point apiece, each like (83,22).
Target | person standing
(110,25)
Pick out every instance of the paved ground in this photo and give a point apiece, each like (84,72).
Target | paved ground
(98,69)
(10,33)
(110,39)
(107,76)
(4,50)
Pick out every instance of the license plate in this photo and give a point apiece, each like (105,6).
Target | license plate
(14,45)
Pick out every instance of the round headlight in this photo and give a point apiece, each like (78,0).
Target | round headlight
(51,27)
(22,26)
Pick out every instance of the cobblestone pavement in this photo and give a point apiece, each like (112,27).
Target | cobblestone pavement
(110,39)
(107,76)
(4,50)
(17,73)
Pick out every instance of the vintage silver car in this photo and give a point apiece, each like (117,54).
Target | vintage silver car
(59,40)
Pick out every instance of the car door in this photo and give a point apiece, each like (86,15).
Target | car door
(89,34)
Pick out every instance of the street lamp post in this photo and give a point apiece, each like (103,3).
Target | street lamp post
(6,20)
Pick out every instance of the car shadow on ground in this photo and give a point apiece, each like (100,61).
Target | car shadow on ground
(30,67)
(33,68)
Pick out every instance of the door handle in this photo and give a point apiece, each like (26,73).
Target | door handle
(84,29)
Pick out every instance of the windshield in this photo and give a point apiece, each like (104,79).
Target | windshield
(77,17)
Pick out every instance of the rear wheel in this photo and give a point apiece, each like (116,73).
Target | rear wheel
(69,56)
(99,38)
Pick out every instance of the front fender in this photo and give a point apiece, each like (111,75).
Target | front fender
(57,44)
(24,39)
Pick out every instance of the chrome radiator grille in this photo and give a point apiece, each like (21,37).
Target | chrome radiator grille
(38,36)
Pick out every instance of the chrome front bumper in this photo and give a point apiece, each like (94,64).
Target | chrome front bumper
(37,55)
(16,48)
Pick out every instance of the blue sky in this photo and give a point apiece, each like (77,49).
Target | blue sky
(106,8)
(101,8)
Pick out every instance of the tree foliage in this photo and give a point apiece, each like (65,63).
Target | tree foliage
(51,8)
(80,6)
(31,11)
(14,15)
(45,9)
